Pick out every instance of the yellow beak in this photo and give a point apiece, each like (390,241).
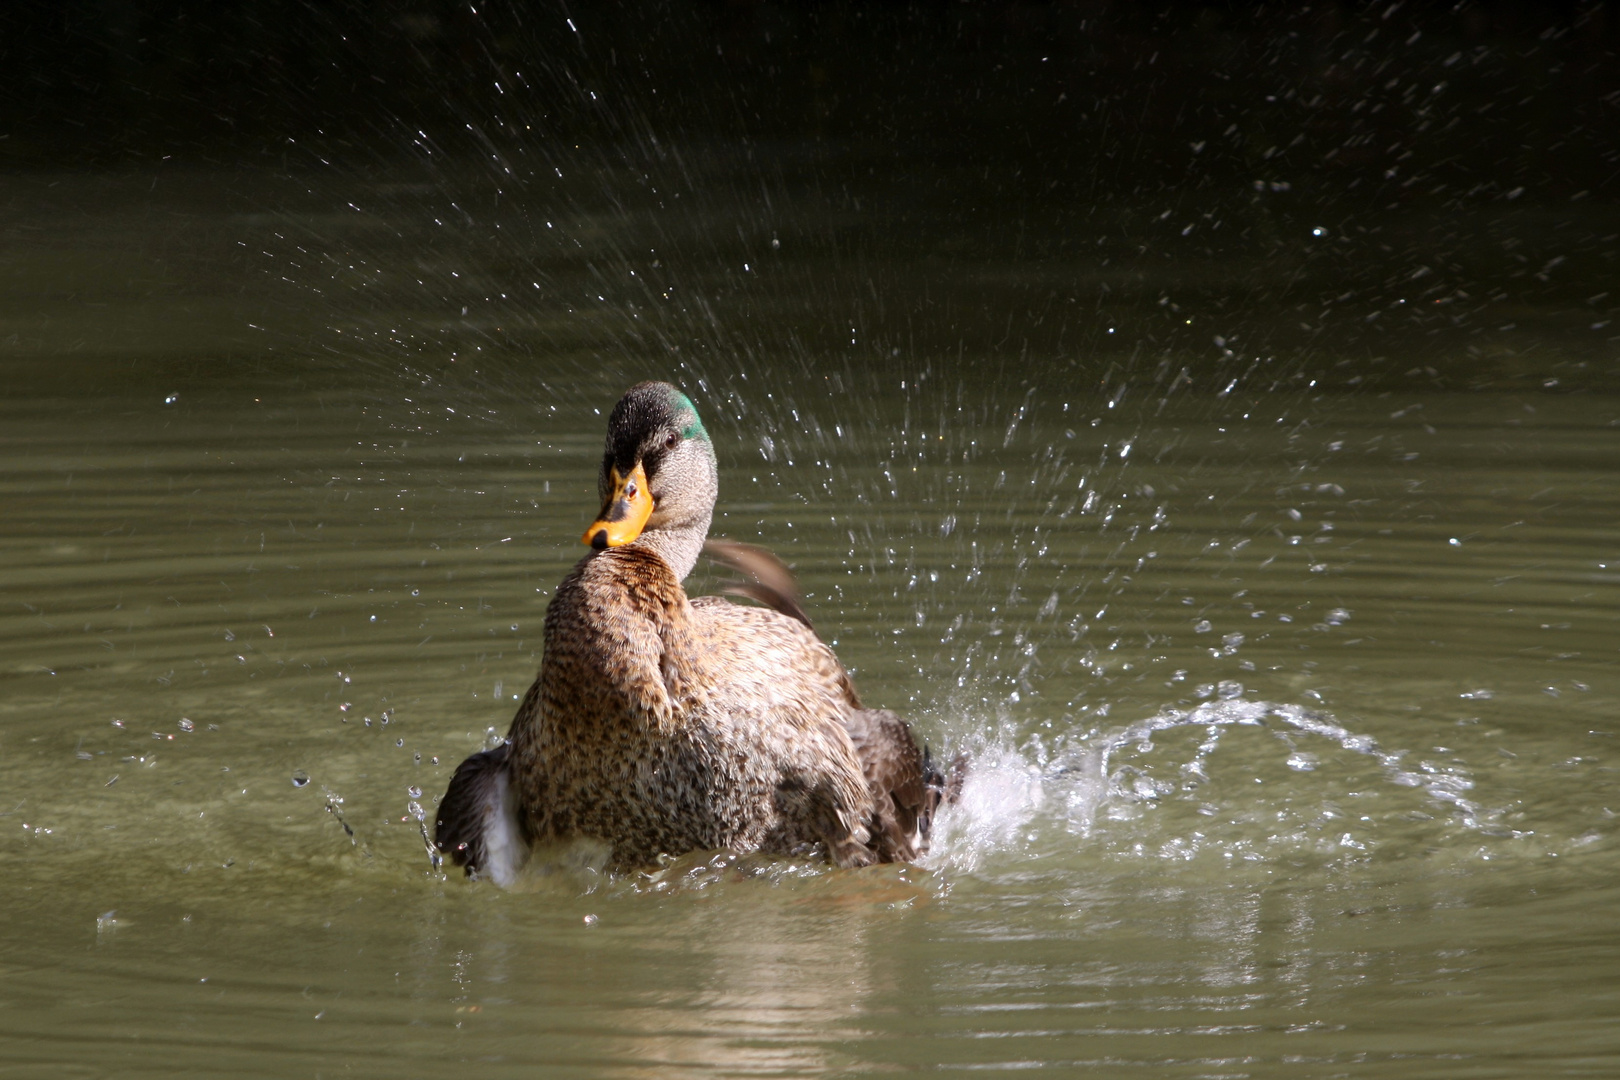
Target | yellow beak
(624,514)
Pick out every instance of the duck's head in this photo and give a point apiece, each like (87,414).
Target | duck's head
(658,470)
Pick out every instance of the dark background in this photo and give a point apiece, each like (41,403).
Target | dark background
(1087,94)
(1324,177)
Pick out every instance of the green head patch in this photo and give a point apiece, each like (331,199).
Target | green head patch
(694,428)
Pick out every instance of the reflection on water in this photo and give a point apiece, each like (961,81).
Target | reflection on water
(1288,695)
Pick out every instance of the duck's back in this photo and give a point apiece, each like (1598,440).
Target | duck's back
(770,661)
(663,725)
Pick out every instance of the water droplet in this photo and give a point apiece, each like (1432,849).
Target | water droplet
(171,399)
(300,778)
(186,725)
(590,920)
(414,792)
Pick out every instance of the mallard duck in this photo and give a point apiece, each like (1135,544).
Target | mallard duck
(660,723)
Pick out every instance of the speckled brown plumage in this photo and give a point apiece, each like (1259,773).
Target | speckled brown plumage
(661,724)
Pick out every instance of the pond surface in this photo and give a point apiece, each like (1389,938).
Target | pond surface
(1288,670)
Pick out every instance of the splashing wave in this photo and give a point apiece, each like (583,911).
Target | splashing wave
(1019,796)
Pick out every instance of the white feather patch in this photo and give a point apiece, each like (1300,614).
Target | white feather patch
(505,849)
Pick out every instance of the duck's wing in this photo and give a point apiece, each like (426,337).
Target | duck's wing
(768,579)
(478,826)
(905,786)
(767,676)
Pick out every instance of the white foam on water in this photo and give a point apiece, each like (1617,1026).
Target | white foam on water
(1005,791)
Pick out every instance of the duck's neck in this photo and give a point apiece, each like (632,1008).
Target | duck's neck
(677,545)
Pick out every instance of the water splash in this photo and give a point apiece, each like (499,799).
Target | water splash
(1020,797)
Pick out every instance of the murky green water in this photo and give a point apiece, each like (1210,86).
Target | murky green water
(1291,700)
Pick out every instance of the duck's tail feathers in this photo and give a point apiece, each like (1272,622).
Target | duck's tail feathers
(770,581)
(478,826)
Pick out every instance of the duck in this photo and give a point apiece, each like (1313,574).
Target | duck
(661,723)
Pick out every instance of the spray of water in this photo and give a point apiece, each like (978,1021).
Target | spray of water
(1024,799)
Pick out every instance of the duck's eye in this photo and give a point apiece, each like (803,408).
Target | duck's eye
(670,440)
